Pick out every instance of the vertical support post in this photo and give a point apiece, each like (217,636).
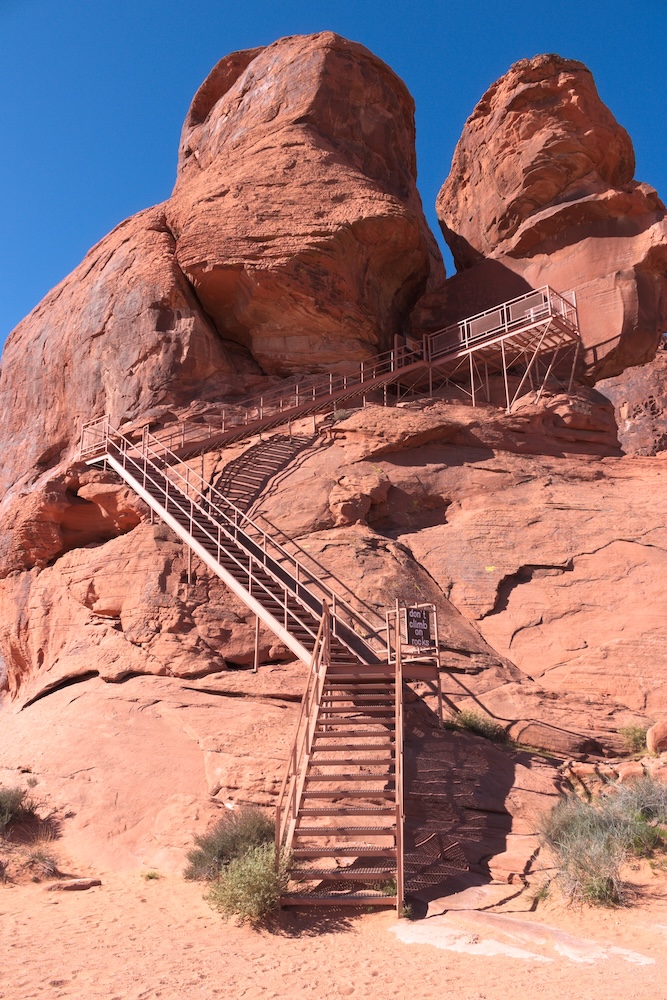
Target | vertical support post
(574,366)
(507,391)
(189,566)
(398,694)
(472,378)
(255,664)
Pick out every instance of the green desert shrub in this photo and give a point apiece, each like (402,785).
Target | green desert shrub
(634,738)
(592,840)
(483,725)
(645,798)
(15,807)
(249,886)
(236,832)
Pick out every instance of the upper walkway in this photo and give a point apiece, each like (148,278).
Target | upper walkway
(528,334)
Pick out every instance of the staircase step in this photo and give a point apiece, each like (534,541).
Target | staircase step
(349,777)
(333,723)
(352,793)
(347,811)
(376,873)
(335,899)
(347,761)
(348,746)
(367,672)
(352,850)
(375,699)
(348,831)
(379,710)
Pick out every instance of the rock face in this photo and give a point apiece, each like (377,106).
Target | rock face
(123,333)
(295,212)
(639,396)
(295,234)
(541,191)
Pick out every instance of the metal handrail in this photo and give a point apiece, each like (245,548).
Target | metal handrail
(399,770)
(234,521)
(288,798)
(172,500)
(300,394)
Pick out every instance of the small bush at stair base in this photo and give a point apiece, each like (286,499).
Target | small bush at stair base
(592,840)
(249,887)
(476,722)
(232,836)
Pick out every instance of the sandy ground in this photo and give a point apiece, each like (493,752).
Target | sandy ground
(139,939)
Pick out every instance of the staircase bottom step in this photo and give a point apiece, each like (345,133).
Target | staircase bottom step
(334,899)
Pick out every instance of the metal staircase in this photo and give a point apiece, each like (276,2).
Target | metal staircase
(339,817)
(340,810)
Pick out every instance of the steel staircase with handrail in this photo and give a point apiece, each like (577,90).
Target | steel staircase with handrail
(339,816)
(340,810)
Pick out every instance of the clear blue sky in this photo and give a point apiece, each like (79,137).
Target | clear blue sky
(94,93)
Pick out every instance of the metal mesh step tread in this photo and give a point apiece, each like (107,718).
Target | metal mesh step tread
(337,899)
(317,831)
(377,699)
(344,747)
(387,776)
(354,709)
(376,871)
(347,811)
(351,793)
(382,726)
(357,850)
(371,761)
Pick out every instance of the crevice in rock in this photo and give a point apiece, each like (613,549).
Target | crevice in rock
(60,685)
(525,574)
(254,696)
(230,345)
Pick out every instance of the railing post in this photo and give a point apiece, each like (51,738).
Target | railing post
(398,692)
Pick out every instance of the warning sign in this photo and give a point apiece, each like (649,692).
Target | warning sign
(418,627)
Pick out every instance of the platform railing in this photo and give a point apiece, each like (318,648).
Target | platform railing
(534,306)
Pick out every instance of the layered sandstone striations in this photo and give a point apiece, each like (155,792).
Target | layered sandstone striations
(296,213)
(541,191)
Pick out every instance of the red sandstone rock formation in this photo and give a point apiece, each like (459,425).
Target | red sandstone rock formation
(295,212)
(541,191)
(543,548)
(639,396)
(295,230)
